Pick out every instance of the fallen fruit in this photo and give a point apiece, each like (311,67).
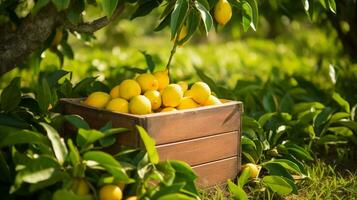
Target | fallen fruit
(253,168)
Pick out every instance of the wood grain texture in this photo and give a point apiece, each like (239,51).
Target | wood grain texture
(201,150)
(217,172)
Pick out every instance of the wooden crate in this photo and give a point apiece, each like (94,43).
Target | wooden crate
(207,138)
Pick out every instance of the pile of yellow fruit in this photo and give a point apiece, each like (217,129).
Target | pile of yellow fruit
(150,93)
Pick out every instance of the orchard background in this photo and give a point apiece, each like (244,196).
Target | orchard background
(293,64)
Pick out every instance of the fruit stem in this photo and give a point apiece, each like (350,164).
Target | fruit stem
(173,51)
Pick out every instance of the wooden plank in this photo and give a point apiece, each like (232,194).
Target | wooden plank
(217,172)
(194,123)
(201,150)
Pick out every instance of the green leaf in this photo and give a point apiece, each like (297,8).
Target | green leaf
(109,163)
(277,184)
(306,5)
(44,95)
(11,95)
(244,177)
(77,121)
(342,102)
(149,145)
(74,156)
(39,5)
(205,16)
(322,118)
(109,6)
(69,195)
(339,116)
(193,20)
(66,50)
(56,177)
(87,137)
(58,145)
(299,152)
(12,136)
(4,169)
(247,16)
(176,196)
(169,189)
(183,170)
(149,61)
(61,4)
(54,77)
(255,17)
(80,88)
(145,7)
(237,192)
(286,104)
(178,15)
(287,164)
(277,169)
(332,5)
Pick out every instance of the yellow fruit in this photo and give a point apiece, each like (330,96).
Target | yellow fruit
(183,85)
(172,95)
(110,192)
(118,105)
(80,187)
(254,170)
(115,92)
(187,103)
(129,88)
(212,100)
(168,109)
(224,100)
(200,92)
(140,105)
(222,12)
(147,82)
(132,198)
(155,98)
(97,99)
(163,79)
(188,93)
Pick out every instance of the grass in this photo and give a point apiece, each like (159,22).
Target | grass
(325,182)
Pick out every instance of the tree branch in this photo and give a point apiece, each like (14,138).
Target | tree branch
(90,27)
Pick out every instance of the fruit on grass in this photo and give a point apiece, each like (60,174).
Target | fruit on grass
(162,78)
(212,100)
(140,105)
(80,187)
(97,99)
(155,98)
(254,169)
(168,109)
(186,103)
(115,92)
(172,95)
(110,192)
(183,85)
(129,88)
(147,82)
(118,105)
(200,92)
(222,12)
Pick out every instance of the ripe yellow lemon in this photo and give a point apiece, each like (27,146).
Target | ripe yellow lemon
(132,198)
(168,109)
(155,98)
(172,95)
(147,82)
(110,192)
(200,92)
(188,93)
(80,187)
(183,85)
(212,100)
(187,103)
(97,99)
(140,105)
(118,105)
(222,12)
(163,78)
(115,92)
(254,170)
(129,88)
